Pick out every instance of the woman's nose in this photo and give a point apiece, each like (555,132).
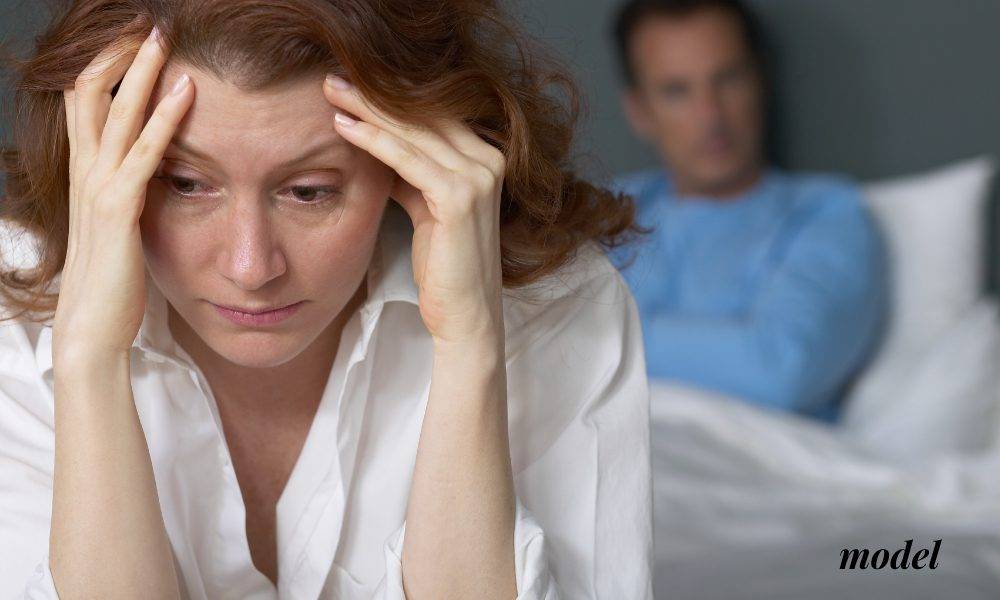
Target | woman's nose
(251,255)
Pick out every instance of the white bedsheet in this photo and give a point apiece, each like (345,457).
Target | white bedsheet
(756,504)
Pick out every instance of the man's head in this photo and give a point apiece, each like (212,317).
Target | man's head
(695,89)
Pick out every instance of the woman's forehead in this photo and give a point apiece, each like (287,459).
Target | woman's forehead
(301,98)
(281,121)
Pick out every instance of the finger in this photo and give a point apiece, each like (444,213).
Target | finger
(409,161)
(344,95)
(128,109)
(142,160)
(471,144)
(69,99)
(93,95)
(412,201)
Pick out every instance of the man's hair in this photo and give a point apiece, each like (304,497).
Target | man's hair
(634,12)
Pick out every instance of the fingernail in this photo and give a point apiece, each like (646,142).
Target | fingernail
(344,119)
(337,82)
(180,85)
(155,34)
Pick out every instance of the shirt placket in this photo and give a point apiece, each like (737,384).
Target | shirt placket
(317,535)
(234,575)
(201,500)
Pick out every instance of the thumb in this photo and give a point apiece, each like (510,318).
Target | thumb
(413,202)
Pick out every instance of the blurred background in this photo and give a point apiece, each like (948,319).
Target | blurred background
(872,89)
(903,95)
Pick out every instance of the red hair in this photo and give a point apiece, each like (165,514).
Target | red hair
(429,58)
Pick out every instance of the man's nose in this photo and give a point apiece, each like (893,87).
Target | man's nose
(251,256)
(709,105)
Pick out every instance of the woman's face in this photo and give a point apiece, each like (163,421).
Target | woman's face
(259,203)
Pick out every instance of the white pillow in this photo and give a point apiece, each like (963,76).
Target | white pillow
(944,401)
(933,227)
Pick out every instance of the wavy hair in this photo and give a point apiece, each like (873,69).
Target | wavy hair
(461,59)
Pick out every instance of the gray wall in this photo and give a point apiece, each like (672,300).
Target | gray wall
(872,88)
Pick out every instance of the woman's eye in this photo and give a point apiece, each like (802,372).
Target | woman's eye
(311,194)
(302,194)
(181,185)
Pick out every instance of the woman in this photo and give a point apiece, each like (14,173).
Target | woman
(262,379)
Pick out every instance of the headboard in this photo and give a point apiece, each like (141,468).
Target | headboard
(873,89)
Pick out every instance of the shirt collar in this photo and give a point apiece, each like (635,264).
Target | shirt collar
(389,279)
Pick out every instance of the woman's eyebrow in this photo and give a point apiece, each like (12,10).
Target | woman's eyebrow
(323,146)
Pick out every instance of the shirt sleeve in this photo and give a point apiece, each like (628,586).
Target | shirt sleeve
(584,472)
(817,315)
(578,403)
(26,455)
(531,573)
(40,585)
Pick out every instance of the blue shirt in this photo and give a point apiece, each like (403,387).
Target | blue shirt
(777,297)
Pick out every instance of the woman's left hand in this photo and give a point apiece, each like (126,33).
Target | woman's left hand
(449,182)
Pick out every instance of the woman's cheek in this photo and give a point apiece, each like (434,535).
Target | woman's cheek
(169,242)
(339,252)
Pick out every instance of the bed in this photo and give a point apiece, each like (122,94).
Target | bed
(751,503)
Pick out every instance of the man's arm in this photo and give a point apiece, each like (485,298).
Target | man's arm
(814,321)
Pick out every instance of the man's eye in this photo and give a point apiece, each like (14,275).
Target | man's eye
(733,76)
(673,91)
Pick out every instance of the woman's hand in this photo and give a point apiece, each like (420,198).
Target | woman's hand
(460,515)
(102,294)
(449,183)
(107,538)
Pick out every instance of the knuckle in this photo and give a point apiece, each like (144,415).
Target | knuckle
(147,59)
(142,147)
(375,135)
(119,111)
(83,80)
(89,79)
(497,162)
(485,180)
(408,154)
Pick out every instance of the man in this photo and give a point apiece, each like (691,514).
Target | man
(760,284)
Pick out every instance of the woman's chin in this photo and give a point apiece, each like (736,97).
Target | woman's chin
(257,353)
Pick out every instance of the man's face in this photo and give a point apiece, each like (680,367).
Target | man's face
(698,99)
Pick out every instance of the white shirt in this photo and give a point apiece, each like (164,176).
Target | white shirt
(579,438)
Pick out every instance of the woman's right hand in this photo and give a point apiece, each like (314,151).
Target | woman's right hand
(102,294)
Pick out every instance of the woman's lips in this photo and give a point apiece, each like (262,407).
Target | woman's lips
(258,319)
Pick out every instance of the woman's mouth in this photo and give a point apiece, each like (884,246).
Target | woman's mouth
(256,317)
